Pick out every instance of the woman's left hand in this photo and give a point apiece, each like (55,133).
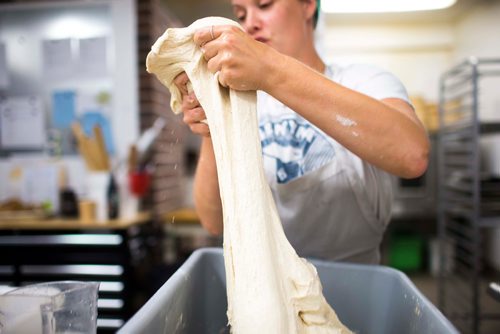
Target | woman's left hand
(242,62)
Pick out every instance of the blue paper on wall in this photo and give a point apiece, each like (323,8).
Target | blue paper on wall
(93,118)
(63,109)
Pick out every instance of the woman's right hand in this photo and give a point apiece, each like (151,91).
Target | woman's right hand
(191,108)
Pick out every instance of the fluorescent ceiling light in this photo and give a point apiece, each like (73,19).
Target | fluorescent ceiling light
(382,6)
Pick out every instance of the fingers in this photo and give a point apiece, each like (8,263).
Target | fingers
(211,45)
(181,82)
(211,39)
(200,129)
(222,79)
(211,50)
(207,34)
(195,115)
(189,101)
(196,120)
(215,64)
(224,53)
(193,112)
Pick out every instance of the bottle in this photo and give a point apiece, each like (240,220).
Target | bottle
(113,198)
(68,202)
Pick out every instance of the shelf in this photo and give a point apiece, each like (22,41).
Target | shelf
(490,222)
(181,216)
(73,224)
(489,128)
(462,130)
(469,201)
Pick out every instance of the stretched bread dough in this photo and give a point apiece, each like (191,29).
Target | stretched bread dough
(270,289)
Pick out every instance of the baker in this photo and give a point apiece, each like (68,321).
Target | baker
(331,135)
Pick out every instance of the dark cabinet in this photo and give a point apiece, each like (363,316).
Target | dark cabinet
(117,257)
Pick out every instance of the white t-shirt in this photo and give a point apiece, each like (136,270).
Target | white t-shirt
(333,205)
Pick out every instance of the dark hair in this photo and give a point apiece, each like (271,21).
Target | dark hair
(316,14)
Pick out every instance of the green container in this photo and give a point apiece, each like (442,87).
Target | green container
(406,253)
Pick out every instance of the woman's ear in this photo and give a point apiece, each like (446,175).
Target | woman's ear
(309,7)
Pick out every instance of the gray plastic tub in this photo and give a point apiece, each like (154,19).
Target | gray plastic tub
(368,299)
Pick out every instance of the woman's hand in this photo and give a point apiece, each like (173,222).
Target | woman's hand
(241,61)
(191,108)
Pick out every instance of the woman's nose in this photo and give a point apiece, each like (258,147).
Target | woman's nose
(252,22)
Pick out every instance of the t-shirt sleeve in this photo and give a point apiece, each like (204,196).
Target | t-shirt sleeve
(377,83)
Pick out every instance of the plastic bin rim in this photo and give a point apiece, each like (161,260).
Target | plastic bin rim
(378,268)
(144,315)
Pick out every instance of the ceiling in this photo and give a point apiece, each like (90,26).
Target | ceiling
(189,10)
(450,14)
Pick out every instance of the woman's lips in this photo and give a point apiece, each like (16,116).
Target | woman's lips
(261,39)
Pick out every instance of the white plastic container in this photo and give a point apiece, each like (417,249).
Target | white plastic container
(97,191)
(50,308)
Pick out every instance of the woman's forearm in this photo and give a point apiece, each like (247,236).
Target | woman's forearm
(206,190)
(385,133)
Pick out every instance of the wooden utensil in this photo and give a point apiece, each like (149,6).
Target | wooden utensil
(133,156)
(93,150)
(82,144)
(102,153)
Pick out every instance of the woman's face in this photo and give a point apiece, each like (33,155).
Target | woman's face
(285,25)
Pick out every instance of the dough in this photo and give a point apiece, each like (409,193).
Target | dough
(270,289)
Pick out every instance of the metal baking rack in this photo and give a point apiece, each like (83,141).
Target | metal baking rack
(467,201)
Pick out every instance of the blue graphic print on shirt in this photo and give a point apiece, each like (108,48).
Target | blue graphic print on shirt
(295,145)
